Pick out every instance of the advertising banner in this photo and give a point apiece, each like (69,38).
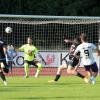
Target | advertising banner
(52,59)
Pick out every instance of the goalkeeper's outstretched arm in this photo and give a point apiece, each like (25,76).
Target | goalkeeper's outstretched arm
(38,54)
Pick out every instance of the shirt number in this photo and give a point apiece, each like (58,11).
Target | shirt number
(86,53)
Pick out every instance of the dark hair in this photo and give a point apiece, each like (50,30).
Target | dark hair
(83,37)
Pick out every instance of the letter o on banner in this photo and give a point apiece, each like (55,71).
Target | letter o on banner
(20,60)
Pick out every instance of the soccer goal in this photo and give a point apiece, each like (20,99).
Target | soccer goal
(49,32)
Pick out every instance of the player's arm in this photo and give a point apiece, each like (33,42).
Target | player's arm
(77,55)
(22,49)
(77,66)
(75,41)
(14,51)
(77,52)
(41,58)
(68,41)
(37,53)
(5,48)
(96,49)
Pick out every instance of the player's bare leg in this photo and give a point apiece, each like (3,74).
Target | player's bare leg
(72,71)
(3,78)
(39,65)
(59,71)
(92,77)
(26,69)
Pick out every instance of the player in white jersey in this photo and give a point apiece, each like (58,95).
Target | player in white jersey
(86,52)
(71,64)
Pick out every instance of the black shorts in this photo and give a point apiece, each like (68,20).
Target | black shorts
(31,63)
(92,67)
(73,61)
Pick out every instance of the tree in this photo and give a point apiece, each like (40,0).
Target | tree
(51,7)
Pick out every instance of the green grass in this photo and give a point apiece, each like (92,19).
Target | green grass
(68,88)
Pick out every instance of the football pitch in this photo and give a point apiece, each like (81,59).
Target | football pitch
(67,88)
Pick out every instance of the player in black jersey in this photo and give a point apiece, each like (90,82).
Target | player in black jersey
(72,64)
(3,60)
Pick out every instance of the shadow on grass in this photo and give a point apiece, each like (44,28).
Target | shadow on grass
(59,97)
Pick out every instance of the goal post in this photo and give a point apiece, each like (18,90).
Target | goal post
(49,32)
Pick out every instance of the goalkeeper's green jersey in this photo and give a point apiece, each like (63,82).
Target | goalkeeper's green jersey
(26,49)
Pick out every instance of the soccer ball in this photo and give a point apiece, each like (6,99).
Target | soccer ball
(8,30)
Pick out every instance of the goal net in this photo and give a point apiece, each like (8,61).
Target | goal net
(48,32)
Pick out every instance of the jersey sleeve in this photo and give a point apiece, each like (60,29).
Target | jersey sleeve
(22,48)
(93,46)
(35,50)
(3,44)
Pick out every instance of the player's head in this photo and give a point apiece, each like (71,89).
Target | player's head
(83,37)
(29,40)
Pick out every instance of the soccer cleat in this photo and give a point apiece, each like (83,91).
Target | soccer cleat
(92,80)
(36,76)
(26,76)
(51,81)
(5,83)
(37,73)
(86,80)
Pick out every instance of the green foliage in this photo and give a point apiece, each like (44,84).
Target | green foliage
(51,7)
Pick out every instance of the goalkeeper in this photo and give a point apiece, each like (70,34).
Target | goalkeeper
(29,57)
